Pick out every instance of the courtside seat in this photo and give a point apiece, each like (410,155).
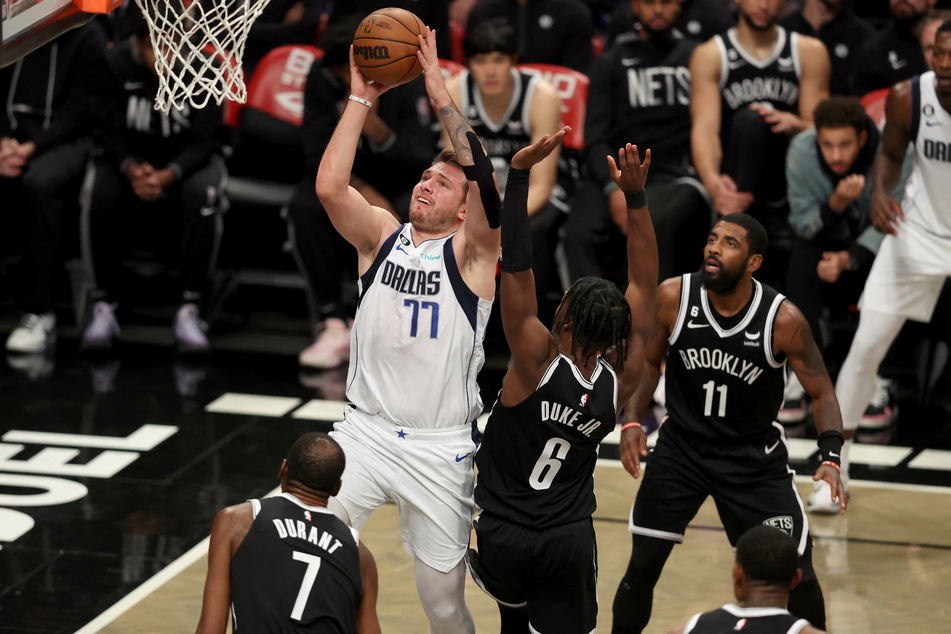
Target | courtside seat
(265,166)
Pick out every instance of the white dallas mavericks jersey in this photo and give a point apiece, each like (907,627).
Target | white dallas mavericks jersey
(928,191)
(416,344)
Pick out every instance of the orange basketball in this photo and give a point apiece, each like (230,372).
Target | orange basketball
(385,46)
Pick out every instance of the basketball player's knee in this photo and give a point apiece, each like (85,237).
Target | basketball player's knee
(647,561)
(443,596)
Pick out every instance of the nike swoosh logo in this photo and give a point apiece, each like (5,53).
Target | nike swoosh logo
(752,335)
(769,450)
(399,247)
(834,454)
(461,458)
(631,61)
(933,123)
(737,64)
(690,324)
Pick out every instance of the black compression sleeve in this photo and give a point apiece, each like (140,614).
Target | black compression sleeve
(481,172)
(516,234)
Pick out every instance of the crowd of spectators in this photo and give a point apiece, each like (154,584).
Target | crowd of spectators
(683,77)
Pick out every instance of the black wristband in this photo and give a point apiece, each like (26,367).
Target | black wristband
(481,172)
(830,446)
(516,229)
(636,200)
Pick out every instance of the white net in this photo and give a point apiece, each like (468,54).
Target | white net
(198,48)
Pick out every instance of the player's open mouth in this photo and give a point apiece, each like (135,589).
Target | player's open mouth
(423,201)
(711,265)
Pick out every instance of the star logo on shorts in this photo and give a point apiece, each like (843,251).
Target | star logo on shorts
(401,434)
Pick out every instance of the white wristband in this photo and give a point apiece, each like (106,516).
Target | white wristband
(366,103)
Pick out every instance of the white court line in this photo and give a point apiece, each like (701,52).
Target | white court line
(130,600)
(252,404)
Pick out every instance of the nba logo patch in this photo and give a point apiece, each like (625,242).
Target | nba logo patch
(584,400)
(307,515)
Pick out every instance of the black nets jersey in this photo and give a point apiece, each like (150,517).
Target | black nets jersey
(297,570)
(724,382)
(745,79)
(733,618)
(504,138)
(536,462)
(640,91)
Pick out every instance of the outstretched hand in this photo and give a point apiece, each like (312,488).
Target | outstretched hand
(628,171)
(537,152)
(432,71)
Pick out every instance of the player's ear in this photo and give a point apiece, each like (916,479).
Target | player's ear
(337,489)
(739,581)
(282,472)
(796,579)
(754,262)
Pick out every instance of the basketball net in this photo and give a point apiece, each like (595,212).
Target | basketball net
(198,48)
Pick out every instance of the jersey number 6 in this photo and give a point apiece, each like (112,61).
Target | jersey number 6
(548,464)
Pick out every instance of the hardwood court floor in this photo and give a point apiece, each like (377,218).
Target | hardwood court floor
(884,567)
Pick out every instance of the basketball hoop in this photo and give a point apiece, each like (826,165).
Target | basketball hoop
(198,48)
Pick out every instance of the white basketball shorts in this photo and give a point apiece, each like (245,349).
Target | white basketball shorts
(908,274)
(429,475)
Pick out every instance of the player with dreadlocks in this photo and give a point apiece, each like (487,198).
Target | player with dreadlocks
(560,397)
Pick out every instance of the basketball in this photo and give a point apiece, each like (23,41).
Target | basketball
(385,46)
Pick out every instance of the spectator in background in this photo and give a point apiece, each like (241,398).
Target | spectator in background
(511,109)
(52,104)
(753,88)
(640,89)
(829,174)
(549,31)
(894,53)
(698,19)
(766,570)
(282,22)
(156,183)
(397,144)
(842,32)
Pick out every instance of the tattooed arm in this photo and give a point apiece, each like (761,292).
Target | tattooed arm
(792,337)
(477,252)
(228,531)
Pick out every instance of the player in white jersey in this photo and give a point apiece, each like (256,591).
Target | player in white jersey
(915,257)
(426,289)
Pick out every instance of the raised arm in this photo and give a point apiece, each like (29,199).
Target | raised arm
(367,620)
(633,443)
(228,530)
(360,223)
(529,340)
(478,251)
(886,171)
(630,175)
(793,338)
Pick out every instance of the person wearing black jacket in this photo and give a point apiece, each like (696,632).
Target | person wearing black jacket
(640,89)
(159,176)
(52,103)
(843,33)
(894,53)
(397,144)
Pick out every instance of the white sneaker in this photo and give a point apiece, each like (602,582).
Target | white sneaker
(882,409)
(35,333)
(820,500)
(332,347)
(190,331)
(102,330)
